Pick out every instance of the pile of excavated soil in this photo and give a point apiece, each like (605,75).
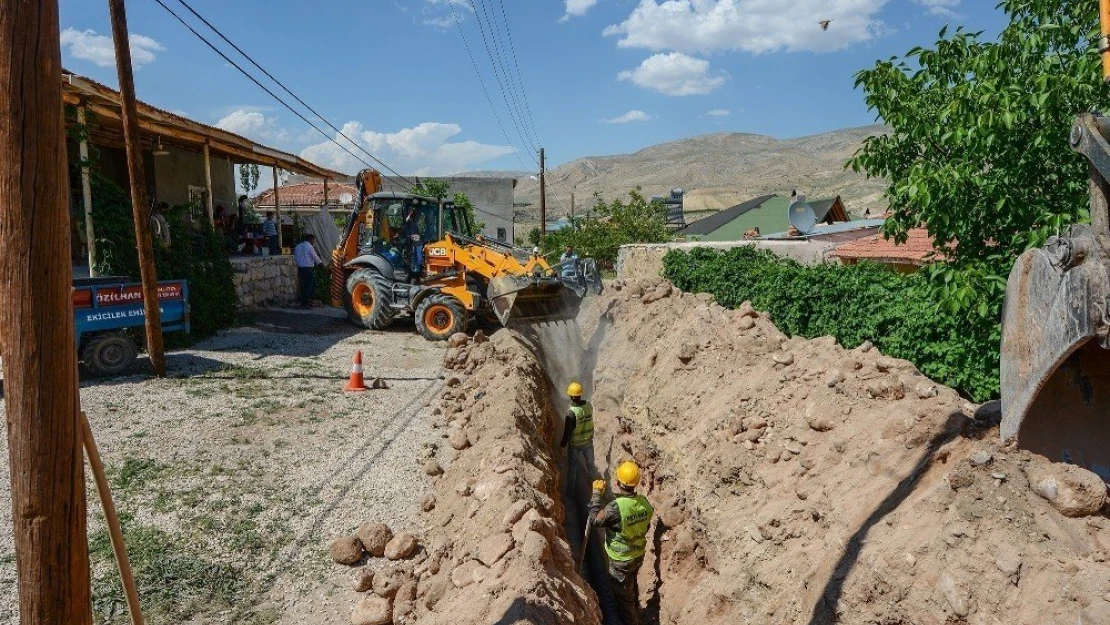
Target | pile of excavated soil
(493,548)
(800,482)
(795,482)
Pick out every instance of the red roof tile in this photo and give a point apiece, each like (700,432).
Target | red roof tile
(917,250)
(305,194)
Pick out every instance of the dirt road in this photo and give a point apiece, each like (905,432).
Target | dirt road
(235,473)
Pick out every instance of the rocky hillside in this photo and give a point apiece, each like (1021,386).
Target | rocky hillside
(719,170)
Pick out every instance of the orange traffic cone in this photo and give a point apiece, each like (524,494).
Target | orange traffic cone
(356,383)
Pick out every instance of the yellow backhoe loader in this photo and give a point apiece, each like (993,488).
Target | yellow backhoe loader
(1055,372)
(408,254)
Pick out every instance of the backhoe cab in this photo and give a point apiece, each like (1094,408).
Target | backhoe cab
(408,254)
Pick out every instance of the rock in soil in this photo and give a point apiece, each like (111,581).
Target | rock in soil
(492,548)
(374,538)
(362,580)
(346,550)
(432,468)
(458,339)
(372,611)
(402,546)
(1073,491)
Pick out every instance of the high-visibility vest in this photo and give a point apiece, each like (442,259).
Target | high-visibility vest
(631,541)
(583,425)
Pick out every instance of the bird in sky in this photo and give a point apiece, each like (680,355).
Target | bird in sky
(825,24)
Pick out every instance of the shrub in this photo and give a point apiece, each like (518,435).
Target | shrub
(196,253)
(853,303)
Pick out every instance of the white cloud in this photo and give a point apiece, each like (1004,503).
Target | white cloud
(253,124)
(424,150)
(675,74)
(703,26)
(577,8)
(944,8)
(634,115)
(718,113)
(89,46)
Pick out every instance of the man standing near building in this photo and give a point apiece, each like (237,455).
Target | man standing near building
(578,431)
(269,230)
(307,259)
(626,519)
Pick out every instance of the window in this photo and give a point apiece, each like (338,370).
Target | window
(501,236)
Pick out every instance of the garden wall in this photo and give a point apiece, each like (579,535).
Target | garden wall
(264,280)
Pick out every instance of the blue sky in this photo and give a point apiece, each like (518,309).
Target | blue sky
(599,76)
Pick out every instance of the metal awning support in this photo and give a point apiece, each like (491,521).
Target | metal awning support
(277,208)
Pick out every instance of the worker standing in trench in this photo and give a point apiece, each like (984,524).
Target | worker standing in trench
(578,432)
(626,519)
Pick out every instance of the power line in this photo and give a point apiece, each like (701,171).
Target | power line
(505,93)
(514,86)
(286,89)
(268,90)
(519,75)
(482,82)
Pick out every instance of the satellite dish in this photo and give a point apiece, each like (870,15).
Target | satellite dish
(802,217)
(346,198)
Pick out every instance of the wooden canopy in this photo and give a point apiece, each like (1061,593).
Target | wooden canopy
(176,130)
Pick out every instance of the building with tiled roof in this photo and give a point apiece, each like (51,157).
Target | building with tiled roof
(906,257)
(308,195)
(767,213)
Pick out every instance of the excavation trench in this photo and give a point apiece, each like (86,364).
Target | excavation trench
(794,481)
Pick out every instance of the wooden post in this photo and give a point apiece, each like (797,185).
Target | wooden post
(277,207)
(543,199)
(86,187)
(326,207)
(139,206)
(36,324)
(208,185)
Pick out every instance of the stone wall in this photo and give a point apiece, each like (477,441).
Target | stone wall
(264,280)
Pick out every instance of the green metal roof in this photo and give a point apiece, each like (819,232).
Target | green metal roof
(770,216)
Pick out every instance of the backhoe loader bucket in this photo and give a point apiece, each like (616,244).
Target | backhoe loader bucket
(537,299)
(1055,369)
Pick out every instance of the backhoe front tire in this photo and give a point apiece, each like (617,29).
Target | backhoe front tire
(439,316)
(368,299)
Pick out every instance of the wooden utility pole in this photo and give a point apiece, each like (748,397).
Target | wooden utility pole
(572,206)
(543,197)
(208,186)
(36,324)
(140,207)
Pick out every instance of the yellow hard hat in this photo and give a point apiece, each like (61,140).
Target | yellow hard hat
(628,474)
(574,390)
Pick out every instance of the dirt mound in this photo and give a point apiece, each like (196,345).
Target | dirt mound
(493,548)
(799,482)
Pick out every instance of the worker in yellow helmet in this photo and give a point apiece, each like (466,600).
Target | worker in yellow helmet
(578,433)
(626,519)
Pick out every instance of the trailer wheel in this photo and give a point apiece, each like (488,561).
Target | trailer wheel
(111,353)
(439,316)
(368,299)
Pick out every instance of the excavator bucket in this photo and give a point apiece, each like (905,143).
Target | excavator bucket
(1055,371)
(536,299)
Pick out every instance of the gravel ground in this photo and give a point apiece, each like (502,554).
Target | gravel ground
(234,474)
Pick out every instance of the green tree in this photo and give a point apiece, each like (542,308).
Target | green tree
(978,151)
(248,178)
(609,226)
(440,189)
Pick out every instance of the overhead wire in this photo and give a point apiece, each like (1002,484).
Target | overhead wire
(238,67)
(515,86)
(506,94)
(519,74)
(482,83)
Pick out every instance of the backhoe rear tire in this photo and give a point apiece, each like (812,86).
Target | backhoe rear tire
(439,316)
(368,300)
